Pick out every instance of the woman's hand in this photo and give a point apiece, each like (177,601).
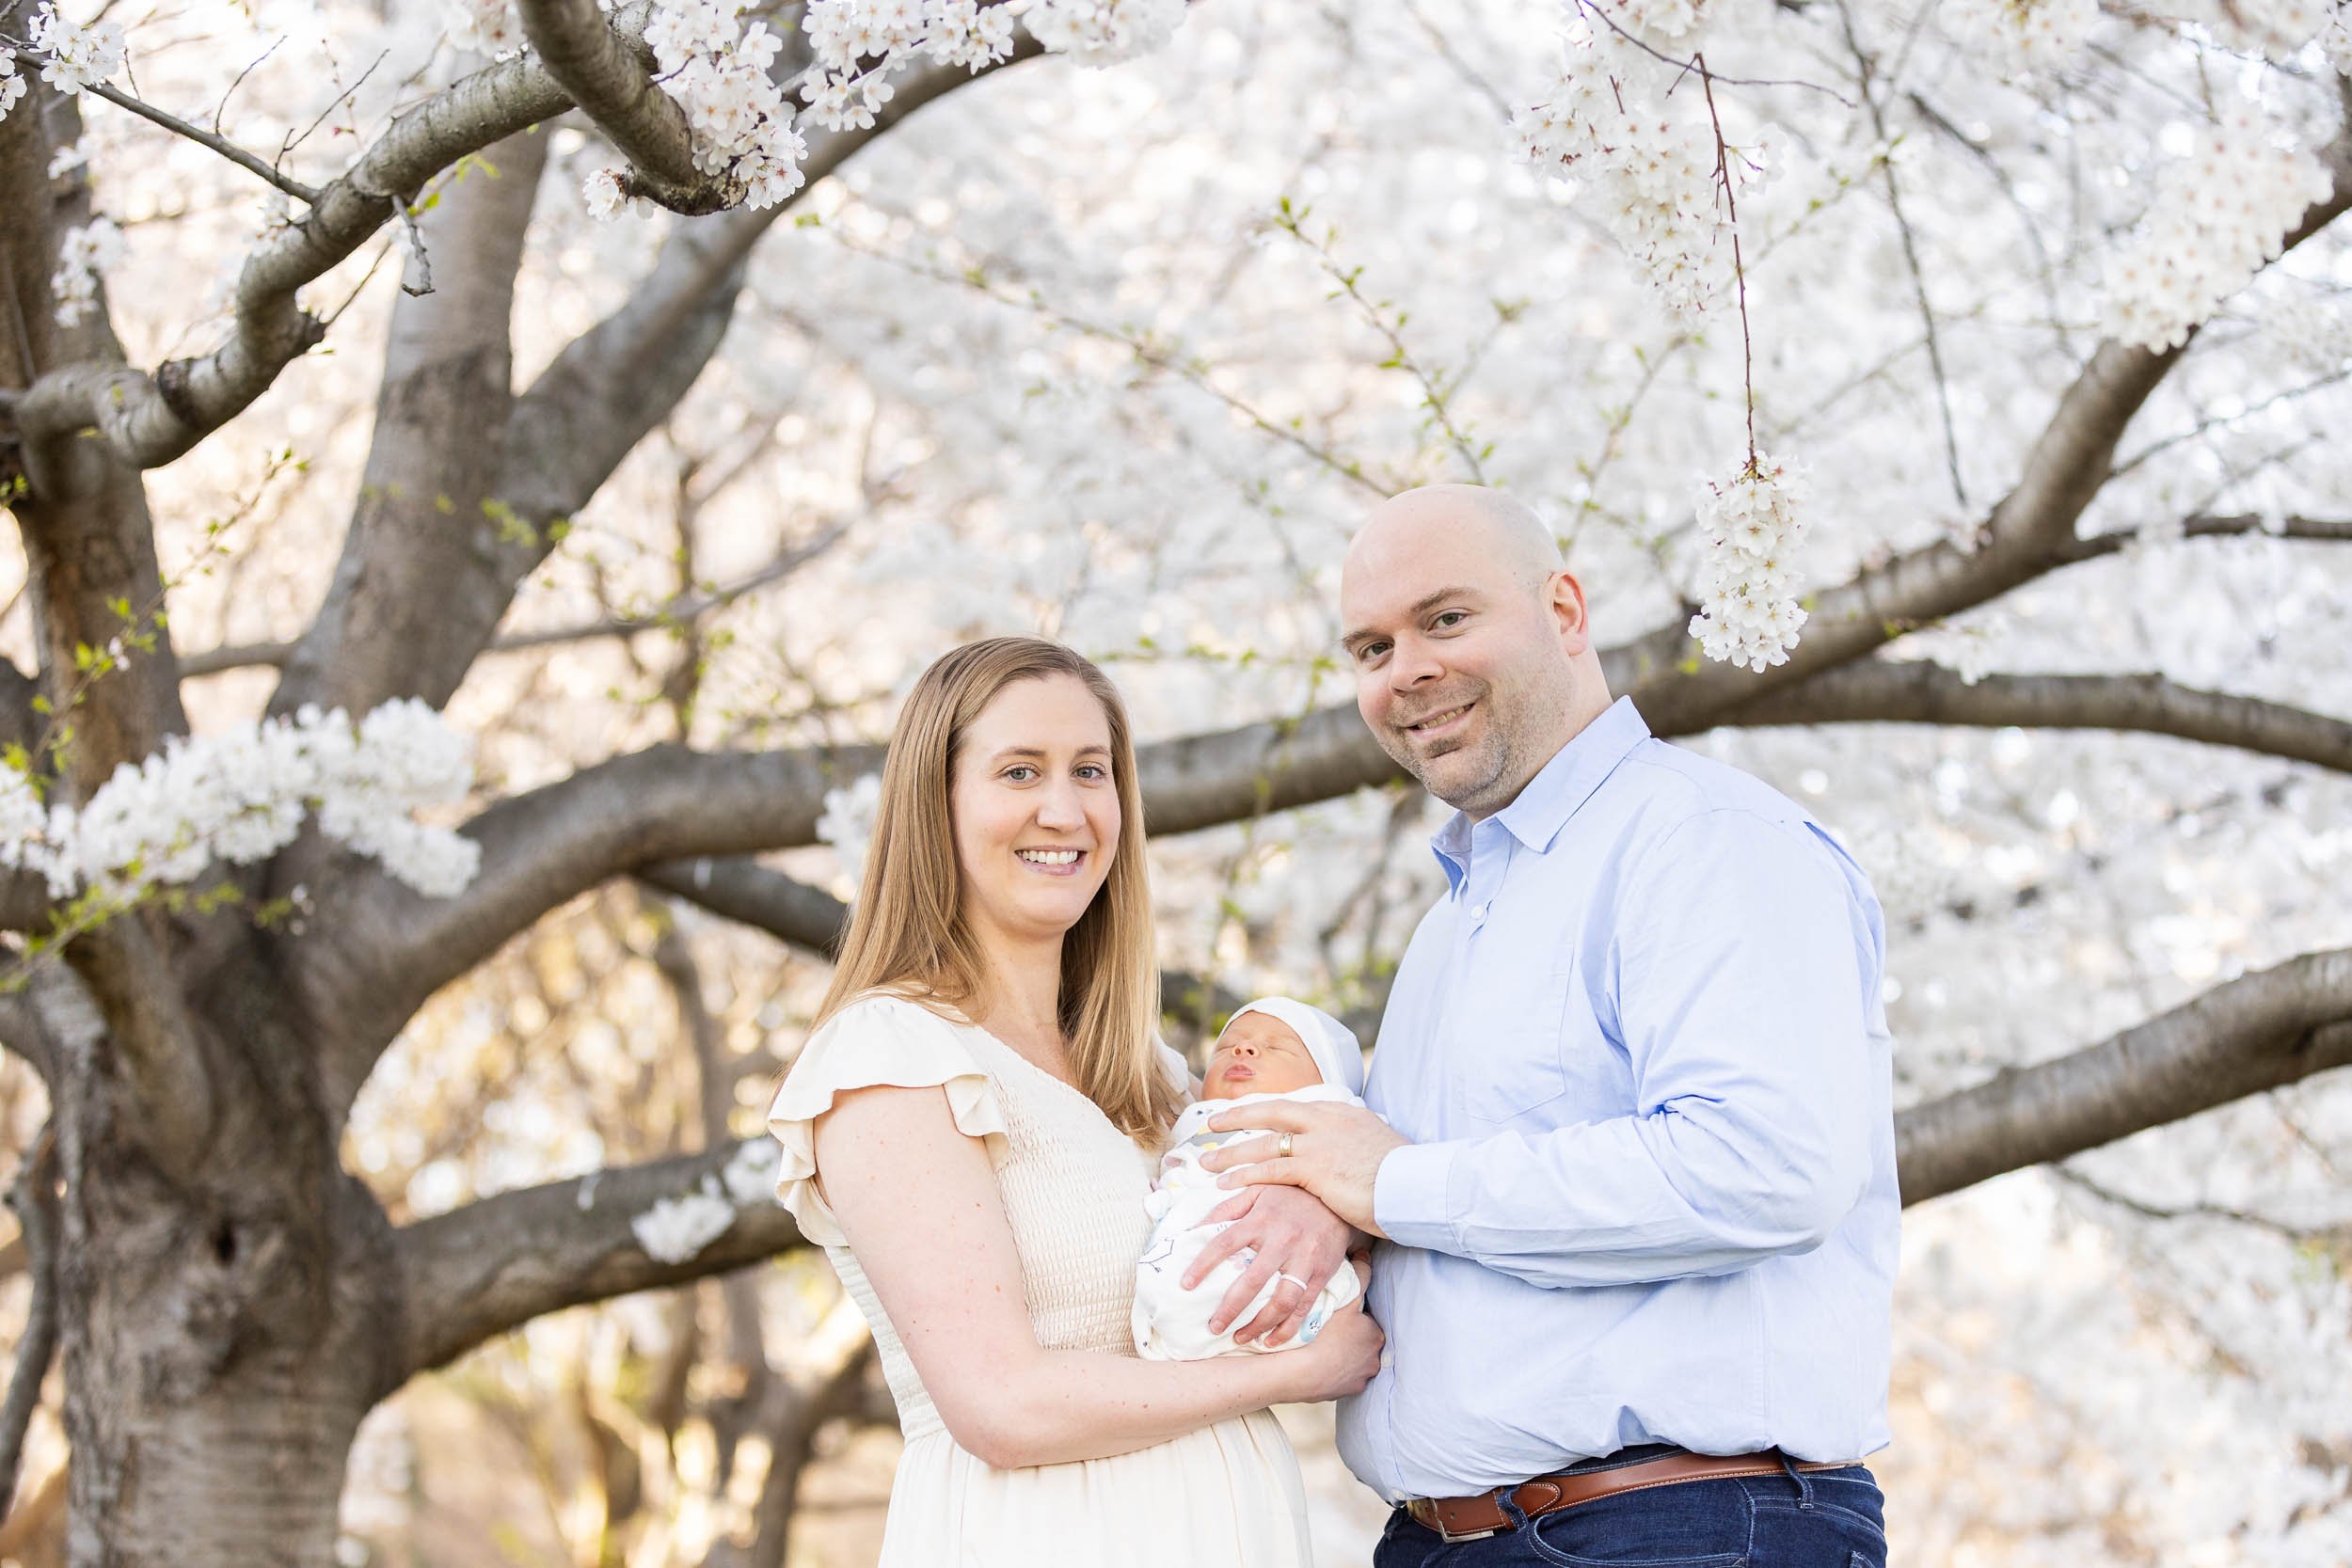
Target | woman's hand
(1345,1353)
(1294,1237)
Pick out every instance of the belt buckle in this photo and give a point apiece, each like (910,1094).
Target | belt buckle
(1427,1516)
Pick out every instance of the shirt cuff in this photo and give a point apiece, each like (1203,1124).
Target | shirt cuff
(1409,1196)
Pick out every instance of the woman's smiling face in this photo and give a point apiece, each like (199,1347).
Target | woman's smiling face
(1036,809)
(1259,1054)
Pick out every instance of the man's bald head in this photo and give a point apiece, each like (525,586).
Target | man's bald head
(1501,528)
(1472,655)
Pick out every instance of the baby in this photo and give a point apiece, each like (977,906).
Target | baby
(1273,1047)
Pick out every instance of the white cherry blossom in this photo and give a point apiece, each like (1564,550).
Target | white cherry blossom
(12,82)
(1749,613)
(76,56)
(87,250)
(677,1229)
(2217,216)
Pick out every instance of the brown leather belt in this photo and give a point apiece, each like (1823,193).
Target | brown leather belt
(1473,1518)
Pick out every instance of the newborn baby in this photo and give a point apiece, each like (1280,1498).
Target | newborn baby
(1273,1048)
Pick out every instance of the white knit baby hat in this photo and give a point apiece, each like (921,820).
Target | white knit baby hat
(1331,1043)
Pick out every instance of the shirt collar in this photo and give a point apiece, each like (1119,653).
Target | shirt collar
(1543,807)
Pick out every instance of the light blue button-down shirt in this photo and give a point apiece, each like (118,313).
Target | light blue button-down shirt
(1639,1050)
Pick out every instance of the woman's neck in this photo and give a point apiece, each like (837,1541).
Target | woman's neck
(1023,999)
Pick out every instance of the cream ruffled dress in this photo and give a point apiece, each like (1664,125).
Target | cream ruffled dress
(1073,1188)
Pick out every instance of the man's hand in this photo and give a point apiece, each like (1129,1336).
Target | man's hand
(1293,1239)
(1335,1153)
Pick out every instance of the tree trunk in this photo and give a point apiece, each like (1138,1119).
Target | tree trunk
(225,1323)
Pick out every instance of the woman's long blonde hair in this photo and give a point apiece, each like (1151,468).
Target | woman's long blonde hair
(907,936)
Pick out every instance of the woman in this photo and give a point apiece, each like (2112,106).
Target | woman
(970,1133)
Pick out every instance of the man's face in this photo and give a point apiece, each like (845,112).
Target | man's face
(1462,669)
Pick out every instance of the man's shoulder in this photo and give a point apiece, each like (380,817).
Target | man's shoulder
(1666,787)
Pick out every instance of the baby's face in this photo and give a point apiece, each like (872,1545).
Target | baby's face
(1259,1054)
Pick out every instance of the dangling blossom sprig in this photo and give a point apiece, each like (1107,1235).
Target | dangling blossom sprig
(87,250)
(2218,215)
(1649,164)
(1749,612)
(242,794)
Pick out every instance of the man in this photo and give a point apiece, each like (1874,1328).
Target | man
(1635,1191)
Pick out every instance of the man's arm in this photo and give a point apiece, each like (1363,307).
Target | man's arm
(1739,958)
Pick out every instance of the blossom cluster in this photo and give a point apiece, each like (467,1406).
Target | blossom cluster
(2025,36)
(717,69)
(242,794)
(848,823)
(491,27)
(2275,28)
(1748,611)
(2217,216)
(11,83)
(1104,32)
(77,57)
(87,250)
(1645,162)
(2310,331)
(1663,22)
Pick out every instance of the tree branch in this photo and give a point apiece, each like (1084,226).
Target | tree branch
(2212,526)
(148,420)
(563,438)
(35,1200)
(222,145)
(1920,692)
(611,80)
(2258,1032)
(682,610)
(741,889)
(500,1261)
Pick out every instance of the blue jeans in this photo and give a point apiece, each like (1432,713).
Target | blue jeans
(1801,1519)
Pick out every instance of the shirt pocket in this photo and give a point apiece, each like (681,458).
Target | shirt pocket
(1507,1059)
(1542,1054)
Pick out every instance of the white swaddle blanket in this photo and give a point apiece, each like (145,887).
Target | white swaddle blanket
(1171,1324)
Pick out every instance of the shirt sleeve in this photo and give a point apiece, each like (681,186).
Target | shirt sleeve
(1738,969)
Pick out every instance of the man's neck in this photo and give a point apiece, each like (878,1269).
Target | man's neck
(1580,719)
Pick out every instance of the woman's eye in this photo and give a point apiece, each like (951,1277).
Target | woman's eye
(1094,770)
(1021,773)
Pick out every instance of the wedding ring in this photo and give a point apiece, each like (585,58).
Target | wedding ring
(1285,1146)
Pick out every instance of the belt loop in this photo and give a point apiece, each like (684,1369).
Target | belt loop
(1804,1483)
(1507,1498)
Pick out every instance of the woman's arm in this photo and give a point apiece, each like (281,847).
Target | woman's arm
(919,1206)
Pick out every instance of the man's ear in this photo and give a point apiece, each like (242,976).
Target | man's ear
(1563,602)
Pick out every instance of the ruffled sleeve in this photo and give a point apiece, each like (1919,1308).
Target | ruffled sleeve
(876,1040)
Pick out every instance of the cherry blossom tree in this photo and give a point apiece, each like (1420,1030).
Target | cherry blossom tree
(1916,389)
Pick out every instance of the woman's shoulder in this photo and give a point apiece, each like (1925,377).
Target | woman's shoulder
(876,1040)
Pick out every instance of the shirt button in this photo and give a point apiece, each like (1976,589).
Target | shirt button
(1478,911)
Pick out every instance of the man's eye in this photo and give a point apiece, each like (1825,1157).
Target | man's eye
(1369,651)
(1450,617)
